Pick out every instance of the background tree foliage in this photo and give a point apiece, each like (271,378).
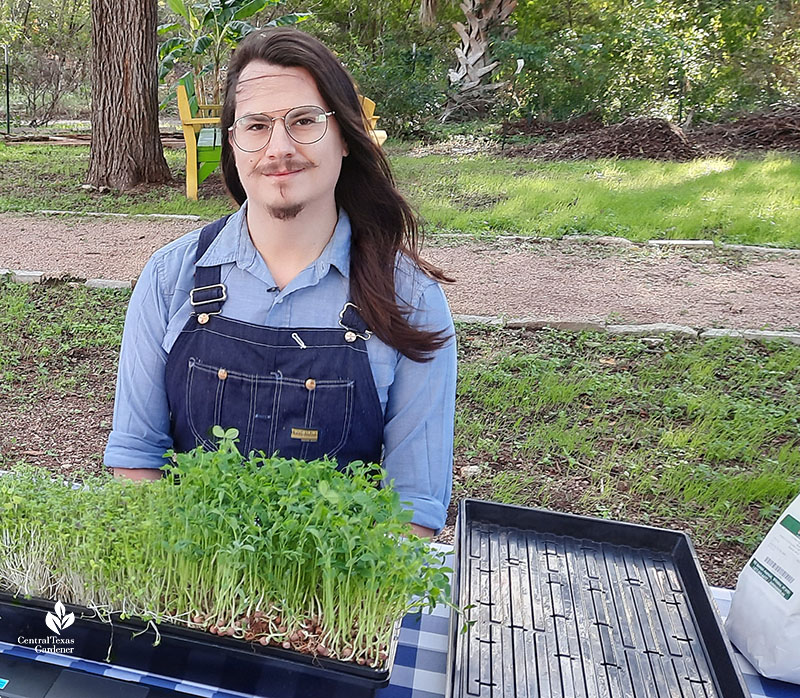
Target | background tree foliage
(206,34)
(48,43)
(395,59)
(679,59)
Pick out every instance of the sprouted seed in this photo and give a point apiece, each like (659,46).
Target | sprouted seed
(281,552)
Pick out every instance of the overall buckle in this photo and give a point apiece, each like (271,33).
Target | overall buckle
(351,331)
(223,297)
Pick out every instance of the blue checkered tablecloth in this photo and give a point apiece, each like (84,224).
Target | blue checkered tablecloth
(420,665)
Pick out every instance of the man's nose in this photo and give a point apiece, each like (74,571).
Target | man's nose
(280,142)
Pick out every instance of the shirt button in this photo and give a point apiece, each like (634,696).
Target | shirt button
(349,336)
(311,384)
(202,318)
(222,374)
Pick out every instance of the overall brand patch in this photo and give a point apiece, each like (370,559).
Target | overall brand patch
(305,434)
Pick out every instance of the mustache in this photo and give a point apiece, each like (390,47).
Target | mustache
(286,165)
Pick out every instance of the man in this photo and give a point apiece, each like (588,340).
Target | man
(306,320)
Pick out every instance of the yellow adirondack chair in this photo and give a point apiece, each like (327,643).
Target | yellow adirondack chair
(378,136)
(201,133)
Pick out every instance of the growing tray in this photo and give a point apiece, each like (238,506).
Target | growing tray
(184,654)
(568,606)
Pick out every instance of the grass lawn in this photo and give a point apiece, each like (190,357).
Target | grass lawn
(745,200)
(751,201)
(704,437)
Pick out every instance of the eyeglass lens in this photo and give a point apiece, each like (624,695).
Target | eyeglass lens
(303,124)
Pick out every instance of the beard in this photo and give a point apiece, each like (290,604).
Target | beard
(285,213)
(289,211)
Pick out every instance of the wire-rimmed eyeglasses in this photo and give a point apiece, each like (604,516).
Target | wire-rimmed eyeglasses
(307,124)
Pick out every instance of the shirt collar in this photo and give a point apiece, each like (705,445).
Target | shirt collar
(337,251)
(233,245)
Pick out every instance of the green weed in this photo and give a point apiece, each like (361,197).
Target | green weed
(690,431)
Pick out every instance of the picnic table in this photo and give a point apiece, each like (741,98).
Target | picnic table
(419,671)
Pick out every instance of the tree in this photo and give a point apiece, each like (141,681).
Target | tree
(126,148)
(472,76)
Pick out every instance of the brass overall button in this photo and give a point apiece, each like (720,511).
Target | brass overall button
(349,336)
(311,384)
(222,374)
(202,318)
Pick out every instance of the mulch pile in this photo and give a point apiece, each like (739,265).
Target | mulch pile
(779,130)
(657,139)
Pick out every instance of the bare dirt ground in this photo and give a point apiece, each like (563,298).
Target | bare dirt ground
(558,280)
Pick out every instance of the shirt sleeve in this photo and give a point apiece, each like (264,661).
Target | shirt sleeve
(419,417)
(140,431)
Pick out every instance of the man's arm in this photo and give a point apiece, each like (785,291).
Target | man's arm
(139,474)
(421,531)
(140,429)
(418,428)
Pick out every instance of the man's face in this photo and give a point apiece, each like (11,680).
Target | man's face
(286,177)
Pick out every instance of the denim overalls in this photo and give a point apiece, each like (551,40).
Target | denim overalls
(303,392)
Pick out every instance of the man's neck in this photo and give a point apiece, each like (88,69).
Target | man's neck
(289,245)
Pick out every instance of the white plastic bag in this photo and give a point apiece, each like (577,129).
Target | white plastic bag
(764,620)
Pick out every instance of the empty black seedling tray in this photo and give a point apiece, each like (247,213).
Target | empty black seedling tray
(563,606)
(184,654)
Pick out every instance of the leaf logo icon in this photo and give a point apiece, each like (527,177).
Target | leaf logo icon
(60,620)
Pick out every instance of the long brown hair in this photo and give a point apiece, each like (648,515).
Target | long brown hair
(382,222)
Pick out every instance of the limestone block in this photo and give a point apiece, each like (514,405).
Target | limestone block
(653,329)
(107,283)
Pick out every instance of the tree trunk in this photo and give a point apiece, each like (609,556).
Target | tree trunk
(126,148)
(473,74)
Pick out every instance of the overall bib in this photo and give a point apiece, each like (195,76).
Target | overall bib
(301,392)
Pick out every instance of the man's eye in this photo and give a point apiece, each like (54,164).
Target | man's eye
(256,126)
(304,121)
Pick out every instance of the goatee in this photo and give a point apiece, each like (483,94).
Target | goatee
(285,213)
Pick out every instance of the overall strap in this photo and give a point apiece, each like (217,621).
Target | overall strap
(208,293)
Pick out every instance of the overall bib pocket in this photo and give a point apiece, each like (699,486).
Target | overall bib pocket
(303,418)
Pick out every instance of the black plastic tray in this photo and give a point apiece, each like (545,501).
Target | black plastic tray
(184,654)
(568,606)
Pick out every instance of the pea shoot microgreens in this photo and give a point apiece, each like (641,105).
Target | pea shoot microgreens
(280,552)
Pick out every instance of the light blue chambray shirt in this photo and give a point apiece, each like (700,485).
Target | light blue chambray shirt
(417,399)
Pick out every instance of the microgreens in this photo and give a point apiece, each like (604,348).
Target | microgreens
(274,551)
